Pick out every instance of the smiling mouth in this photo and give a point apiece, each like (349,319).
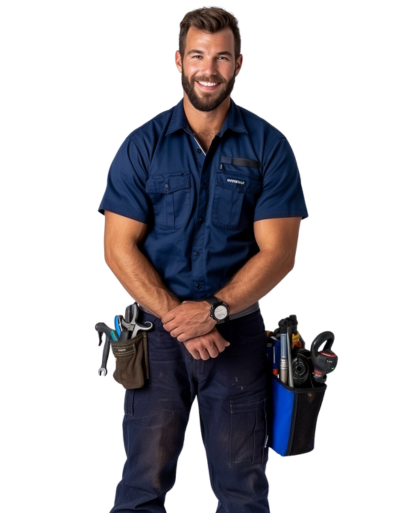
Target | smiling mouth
(208,86)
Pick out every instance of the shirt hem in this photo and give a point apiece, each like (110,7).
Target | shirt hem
(274,215)
(121,212)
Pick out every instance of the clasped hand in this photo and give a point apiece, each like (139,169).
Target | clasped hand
(191,323)
(188,320)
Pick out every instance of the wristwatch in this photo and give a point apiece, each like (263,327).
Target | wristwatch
(219,309)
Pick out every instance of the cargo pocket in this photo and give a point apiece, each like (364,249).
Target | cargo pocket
(170,197)
(248,430)
(234,200)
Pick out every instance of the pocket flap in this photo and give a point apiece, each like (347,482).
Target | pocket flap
(168,183)
(245,404)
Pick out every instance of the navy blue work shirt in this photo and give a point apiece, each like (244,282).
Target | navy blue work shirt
(200,207)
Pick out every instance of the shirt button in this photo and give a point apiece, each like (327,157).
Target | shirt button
(196,253)
(167,185)
(201,219)
(204,185)
(198,286)
(198,151)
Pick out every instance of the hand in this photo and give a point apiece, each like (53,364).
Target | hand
(189,320)
(206,346)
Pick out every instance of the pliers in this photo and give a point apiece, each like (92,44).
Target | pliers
(133,325)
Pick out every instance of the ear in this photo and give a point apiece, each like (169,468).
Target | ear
(239,63)
(178,61)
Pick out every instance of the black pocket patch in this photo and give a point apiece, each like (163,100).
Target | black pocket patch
(238,161)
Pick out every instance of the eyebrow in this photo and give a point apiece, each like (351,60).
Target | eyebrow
(219,53)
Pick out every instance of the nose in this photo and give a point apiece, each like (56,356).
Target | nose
(209,68)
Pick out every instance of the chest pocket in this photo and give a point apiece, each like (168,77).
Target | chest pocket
(170,197)
(235,193)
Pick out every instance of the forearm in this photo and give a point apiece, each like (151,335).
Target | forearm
(254,280)
(140,279)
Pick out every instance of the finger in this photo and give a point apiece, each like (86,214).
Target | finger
(225,345)
(187,334)
(183,338)
(176,333)
(167,327)
(213,351)
(211,347)
(194,353)
(205,355)
(221,344)
(169,316)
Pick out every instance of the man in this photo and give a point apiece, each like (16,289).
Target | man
(203,207)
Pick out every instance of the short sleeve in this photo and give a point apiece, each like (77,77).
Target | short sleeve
(125,191)
(282,193)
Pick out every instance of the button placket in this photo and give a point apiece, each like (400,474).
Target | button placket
(200,148)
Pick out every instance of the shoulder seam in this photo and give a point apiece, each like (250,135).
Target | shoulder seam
(255,117)
(164,113)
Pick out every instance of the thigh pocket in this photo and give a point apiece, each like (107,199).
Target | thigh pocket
(249,430)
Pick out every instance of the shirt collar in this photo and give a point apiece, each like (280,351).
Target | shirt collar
(233,120)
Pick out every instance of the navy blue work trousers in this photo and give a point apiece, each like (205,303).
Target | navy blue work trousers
(233,408)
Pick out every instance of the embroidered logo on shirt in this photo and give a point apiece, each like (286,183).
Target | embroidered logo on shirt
(240,183)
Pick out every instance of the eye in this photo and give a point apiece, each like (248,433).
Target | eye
(224,57)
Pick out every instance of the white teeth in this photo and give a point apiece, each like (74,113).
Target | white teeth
(208,83)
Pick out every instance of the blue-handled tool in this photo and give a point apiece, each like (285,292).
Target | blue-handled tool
(117,324)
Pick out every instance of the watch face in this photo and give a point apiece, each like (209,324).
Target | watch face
(220,312)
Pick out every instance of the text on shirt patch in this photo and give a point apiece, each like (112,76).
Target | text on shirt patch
(233,180)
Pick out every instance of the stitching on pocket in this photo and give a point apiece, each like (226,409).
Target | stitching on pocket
(247,430)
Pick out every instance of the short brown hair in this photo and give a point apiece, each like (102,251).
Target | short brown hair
(210,19)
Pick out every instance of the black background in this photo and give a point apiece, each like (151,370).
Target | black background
(285,81)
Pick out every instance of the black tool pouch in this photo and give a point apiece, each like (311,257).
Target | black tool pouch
(132,364)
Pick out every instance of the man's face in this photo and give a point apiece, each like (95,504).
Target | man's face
(208,58)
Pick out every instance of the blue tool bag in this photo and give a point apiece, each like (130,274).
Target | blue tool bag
(296,383)
(294,413)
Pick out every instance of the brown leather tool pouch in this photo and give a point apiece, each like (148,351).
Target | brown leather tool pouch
(132,364)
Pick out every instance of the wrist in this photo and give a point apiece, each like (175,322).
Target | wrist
(208,310)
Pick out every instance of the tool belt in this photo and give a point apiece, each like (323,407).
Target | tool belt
(296,392)
(132,363)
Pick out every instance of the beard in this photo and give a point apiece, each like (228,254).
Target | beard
(210,100)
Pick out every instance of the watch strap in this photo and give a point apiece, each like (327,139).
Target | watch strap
(213,301)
